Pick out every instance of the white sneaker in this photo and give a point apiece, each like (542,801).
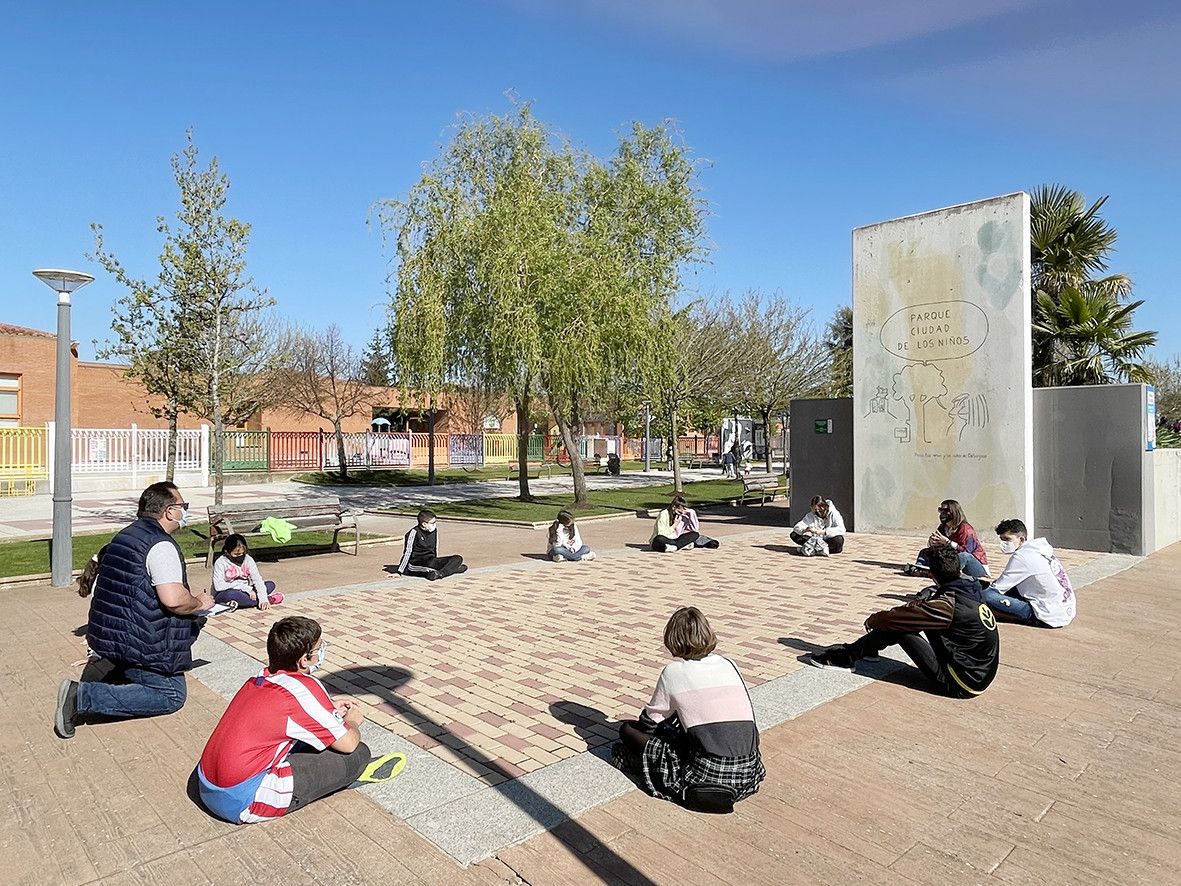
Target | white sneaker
(589,555)
(557,558)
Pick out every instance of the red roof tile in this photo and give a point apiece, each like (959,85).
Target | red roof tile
(9,329)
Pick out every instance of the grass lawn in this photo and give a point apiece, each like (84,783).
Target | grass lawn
(443,475)
(602,501)
(32,557)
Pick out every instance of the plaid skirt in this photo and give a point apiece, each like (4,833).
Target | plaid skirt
(669,766)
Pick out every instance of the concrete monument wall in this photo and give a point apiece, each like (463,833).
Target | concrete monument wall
(942,394)
(821,445)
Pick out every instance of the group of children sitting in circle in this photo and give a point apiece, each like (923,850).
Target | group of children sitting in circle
(696,741)
(676,528)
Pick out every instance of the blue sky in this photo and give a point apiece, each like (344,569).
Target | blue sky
(814,117)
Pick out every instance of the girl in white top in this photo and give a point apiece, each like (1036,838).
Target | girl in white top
(236,578)
(565,543)
(822,531)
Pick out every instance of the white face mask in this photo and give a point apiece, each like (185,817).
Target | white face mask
(430,527)
(1008,546)
(319,662)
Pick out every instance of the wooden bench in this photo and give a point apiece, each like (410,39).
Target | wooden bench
(762,486)
(514,468)
(699,461)
(315,513)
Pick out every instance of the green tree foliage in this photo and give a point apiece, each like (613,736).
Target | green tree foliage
(475,242)
(377,360)
(1166,376)
(210,349)
(1082,323)
(838,340)
(148,324)
(526,266)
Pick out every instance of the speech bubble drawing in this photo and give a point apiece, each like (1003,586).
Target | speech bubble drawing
(935,331)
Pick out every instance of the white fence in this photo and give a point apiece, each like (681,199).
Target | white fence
(121,451)
(134,451)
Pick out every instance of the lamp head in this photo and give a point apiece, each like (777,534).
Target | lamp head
(62,281)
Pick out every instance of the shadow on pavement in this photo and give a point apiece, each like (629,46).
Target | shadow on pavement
(893,567)
(606,865)
(883,670)
(780,549)
(582,718)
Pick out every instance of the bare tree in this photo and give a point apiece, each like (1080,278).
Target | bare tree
(782,357)
(324,376)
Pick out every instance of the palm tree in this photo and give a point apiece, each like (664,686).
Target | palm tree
(838,339)
(1088,339)
(1081,325)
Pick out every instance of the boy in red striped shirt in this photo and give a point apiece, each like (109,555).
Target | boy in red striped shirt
(282,743)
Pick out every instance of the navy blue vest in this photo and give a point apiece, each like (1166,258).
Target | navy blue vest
(128,623)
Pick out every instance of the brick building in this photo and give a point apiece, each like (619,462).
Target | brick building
(104,397)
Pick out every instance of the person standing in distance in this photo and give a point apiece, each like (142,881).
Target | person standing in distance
(142,620)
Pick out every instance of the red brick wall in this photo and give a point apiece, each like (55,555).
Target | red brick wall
(103,396)
(33,358)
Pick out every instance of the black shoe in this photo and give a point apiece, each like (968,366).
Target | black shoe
(714,799)
(433,575)
(461,570)
(67,709)
(713,543)
(831,657)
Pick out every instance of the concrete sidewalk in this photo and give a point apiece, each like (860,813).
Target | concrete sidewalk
(32,516)
(1065,771)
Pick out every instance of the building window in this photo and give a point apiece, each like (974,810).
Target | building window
(10,401)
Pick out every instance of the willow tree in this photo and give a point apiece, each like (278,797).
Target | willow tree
(633,223)
(476,242)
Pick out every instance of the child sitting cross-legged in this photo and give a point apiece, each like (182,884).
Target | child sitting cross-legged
(236,578)
(696,741)
(282,743)
(565,542)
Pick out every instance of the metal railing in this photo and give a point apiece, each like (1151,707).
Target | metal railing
(24,453)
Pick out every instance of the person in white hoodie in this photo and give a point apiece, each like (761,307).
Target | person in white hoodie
(565,542)
(1033,589)
(822,531)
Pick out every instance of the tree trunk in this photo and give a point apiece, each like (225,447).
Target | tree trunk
(576,469)
(219,422)
(766,413)
(170,470)
(340,454)
(523,404)
(678,486)
(430,442)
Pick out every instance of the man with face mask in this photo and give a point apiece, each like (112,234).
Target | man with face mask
(282,743)
(1033,589)
(420,554)
(142,620)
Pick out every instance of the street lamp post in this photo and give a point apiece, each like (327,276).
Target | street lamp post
(647,436)
(62,556)
(783,433)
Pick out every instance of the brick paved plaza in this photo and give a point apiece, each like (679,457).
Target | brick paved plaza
(1065,771)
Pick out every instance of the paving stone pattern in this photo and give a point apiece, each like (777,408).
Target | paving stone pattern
(503,672)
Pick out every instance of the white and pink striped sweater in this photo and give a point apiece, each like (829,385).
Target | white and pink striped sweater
(710,701)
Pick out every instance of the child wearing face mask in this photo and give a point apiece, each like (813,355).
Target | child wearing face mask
(236,578)
(282,742)
(420,554)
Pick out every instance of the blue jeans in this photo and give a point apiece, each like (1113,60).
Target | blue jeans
(1011,607)
(568,554)
(968,564)
(132,692)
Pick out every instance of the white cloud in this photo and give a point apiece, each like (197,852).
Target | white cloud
(783,30)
